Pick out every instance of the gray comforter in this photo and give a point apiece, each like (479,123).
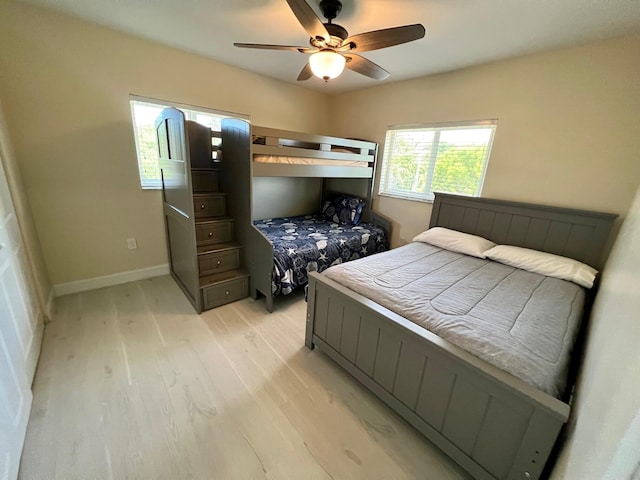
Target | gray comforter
(521,322)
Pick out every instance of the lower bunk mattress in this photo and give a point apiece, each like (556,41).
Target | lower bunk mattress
(521,322)
(311,243)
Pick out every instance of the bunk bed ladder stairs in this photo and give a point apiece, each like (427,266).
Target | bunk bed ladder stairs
(222,278)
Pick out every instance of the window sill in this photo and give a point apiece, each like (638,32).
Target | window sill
(400,197)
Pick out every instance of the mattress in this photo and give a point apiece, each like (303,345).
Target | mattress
(308,161)
(311,243)
(521,322)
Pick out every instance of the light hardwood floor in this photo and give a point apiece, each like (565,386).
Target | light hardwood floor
(132,383)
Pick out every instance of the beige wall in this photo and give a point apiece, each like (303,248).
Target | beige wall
(604,439)
(37,270)
(65,84)
(568,127)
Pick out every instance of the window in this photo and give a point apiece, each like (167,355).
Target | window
(420,160)
(144,112)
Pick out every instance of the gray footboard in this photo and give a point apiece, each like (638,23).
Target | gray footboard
(492,424)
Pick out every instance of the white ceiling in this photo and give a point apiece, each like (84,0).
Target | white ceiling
(460,33)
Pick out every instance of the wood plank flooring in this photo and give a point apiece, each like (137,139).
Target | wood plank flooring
(132,383)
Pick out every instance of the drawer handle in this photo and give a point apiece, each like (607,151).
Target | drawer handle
(203,206)
(227,292)
(219,262)
(210,234)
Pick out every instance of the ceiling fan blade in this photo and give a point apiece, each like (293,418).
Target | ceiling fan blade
(308,19)
(386,37)
(264,46)
(305,73)
(365,67)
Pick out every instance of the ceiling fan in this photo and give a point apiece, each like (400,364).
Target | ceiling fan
(331,46)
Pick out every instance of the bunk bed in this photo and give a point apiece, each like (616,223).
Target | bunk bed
(286,179)
(481,405)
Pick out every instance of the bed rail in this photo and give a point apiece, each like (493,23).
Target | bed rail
(283,143)
(266,140)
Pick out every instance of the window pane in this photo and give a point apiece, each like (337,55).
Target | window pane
(144,115)
(419,161)
(208,120)
(409,161)
(460,162)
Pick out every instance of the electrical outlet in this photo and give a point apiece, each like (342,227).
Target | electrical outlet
(132,244)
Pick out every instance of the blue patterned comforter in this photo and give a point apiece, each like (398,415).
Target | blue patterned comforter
(311,243)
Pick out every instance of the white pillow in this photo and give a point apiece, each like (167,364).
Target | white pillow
(544,263)
(455,241)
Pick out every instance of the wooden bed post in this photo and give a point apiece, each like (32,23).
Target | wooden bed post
(269,302)
(311,313)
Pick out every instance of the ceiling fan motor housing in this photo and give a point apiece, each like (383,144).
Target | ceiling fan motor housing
(338,35)
(336,31)
(331,9)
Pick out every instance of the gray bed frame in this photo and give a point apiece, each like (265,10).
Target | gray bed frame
(491,423)
(283,187)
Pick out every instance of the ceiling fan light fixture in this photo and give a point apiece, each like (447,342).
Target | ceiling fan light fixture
(327,64)
(328,41)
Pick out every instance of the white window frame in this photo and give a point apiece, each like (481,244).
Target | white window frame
(154,182)
(386,189)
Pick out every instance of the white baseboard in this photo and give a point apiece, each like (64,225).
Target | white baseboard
(109,280)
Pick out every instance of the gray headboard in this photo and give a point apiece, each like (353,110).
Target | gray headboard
(578,234)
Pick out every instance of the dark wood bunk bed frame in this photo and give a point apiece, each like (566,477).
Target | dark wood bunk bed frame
(491,423)
(238,151)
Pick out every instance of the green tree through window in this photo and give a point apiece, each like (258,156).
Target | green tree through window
(459,170)
(418,161)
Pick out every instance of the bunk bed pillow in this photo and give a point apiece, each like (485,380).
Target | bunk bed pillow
(455,241)
(343,209)
(544,263)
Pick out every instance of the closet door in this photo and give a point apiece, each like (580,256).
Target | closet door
(19,338)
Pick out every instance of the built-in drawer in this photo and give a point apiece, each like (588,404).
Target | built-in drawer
(204,180)
(225,292)
(209,205)
(219,261)
(217,231)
